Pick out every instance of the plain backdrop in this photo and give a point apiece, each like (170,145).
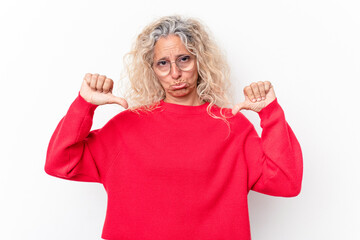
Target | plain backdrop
(309,50)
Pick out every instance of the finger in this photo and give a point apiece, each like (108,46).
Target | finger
(119,100)
(108,85)
(267,86)
(262,90)
(249,93)
(88,78)
(256,91)
(235,110)
(93,81)
(100,83)
(238,107)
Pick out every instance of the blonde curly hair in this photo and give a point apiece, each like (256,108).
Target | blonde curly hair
(145,91)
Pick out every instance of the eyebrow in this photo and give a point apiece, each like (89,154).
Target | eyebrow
(177,56)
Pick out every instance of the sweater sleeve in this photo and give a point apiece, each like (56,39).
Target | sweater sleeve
(275,164)
(76,153)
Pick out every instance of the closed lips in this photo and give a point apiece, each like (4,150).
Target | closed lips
(178,86)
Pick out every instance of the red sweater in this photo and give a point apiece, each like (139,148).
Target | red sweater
(176,173)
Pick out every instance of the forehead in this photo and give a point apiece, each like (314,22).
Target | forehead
(169,46)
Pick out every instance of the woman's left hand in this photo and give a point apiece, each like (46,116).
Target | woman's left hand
(262,92)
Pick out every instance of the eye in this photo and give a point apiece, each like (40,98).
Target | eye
(161,63)
(184,58)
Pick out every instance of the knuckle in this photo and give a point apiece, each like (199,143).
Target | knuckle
(106,85)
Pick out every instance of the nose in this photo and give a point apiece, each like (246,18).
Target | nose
(175,72)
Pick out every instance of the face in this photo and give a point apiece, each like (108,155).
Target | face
(172,49)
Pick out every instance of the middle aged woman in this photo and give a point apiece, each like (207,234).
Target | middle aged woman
(178,164)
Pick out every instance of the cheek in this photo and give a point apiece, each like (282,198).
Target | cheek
(194,75)
(165,81)
(195,72)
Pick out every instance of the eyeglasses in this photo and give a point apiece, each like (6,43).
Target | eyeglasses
(184,63)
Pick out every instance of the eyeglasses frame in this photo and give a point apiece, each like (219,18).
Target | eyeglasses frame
(171,62)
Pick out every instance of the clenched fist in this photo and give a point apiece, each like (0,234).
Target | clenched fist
(97,89)
(257,96)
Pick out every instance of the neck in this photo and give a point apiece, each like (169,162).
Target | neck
(184,101)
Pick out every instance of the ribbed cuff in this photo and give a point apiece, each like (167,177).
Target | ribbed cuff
(267,111)
(85,104)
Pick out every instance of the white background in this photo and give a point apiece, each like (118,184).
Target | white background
(309,50)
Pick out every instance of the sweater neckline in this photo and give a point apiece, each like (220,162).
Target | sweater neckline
(184,109)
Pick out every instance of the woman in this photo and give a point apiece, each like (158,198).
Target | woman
(178,165)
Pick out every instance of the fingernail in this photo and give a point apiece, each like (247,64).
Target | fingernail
(259,99)
(253,100)
(263,98)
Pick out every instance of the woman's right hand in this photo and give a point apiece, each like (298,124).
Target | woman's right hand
(97,89)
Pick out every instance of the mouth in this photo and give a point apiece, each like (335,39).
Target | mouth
(178,86)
